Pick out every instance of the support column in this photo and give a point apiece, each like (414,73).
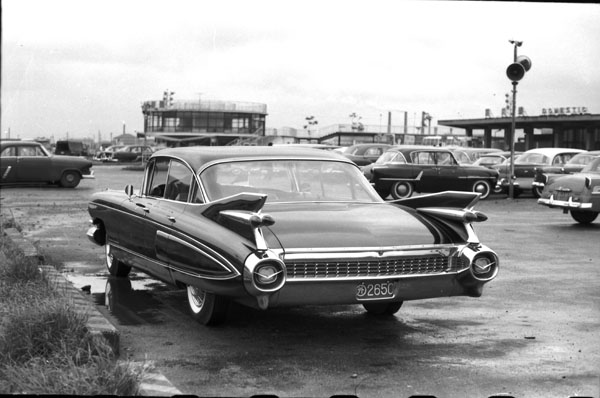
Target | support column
(528,137)
(557,137)
(469,132)
(507,137)
(487,137)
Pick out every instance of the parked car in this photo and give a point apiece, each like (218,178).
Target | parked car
(577,193)
(491,159)
(574,165)
(71,148)
(526,164)
(132,153)
(30,162)
(469,155)
(106,155)
(272,227)
(364,154)
(404,170)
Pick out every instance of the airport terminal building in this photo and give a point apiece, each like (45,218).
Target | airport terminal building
(570,127)
(186,123)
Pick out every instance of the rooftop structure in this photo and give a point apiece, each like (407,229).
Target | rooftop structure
(185,123)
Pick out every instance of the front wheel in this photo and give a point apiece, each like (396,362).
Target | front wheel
(584,217)
(483,187)
(402,189)
(207,308)
(383,308)
(115,267)
(70,179)
(537,191)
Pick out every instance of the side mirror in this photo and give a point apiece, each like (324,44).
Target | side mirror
(129,190)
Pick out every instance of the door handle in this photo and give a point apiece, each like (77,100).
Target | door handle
(144,208)
(171,218)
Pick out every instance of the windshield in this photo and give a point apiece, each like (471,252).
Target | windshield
(593,166)
(288,181)
(390,156)
(532,158)
(581,159)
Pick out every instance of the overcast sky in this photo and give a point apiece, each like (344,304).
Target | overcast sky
(84,67)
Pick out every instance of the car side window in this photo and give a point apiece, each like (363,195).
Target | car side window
(27,151)
(157,180)
(179,181)
(422,157)
(445,159)
(373,152)
(196,196)
(10,151)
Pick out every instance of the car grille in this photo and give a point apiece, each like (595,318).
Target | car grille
(400,266)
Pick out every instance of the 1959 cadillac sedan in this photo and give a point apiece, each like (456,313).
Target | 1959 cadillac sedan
(271,226)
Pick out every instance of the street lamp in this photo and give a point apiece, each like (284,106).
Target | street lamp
(515,72)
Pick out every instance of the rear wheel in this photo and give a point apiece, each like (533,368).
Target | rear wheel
(383,308)
(70,179)
(207,308)
(115,267)
(584,217)
(483,187)
(402,189)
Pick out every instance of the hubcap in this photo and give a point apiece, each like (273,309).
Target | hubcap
(402,190)
(197,297)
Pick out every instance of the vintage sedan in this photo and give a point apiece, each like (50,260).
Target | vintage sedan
(29,162)
(132,153)
(404,170)
(272,227)
(364,154)
(525,165)
(106,155)
(469,155)
(489,160)
(574,165)
(577,193)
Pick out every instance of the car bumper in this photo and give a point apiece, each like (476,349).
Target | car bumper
(564,204)
(89,176)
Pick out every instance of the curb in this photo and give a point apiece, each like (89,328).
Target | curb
(153,382)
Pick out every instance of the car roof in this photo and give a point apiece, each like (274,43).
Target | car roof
(14,142)
(554,151)
(198,156)
(412,148)
(369,144)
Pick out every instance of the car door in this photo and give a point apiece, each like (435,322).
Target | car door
(33,164)
(162,201)
(448,172)
(427,179)
(8,164)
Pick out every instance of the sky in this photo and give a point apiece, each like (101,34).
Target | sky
(83,67)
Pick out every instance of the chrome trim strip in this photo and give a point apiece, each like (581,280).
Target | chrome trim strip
(170,267)
(357,252)
(6,172)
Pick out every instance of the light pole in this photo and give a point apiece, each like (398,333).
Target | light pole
(515,72)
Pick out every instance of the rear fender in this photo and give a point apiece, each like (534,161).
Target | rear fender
(451,211)
(241,214)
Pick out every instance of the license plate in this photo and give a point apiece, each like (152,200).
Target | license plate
(375,290)
(559,195)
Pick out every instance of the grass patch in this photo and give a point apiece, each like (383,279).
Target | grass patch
(45,347)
